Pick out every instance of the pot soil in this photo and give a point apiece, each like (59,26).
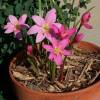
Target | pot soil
(81,77)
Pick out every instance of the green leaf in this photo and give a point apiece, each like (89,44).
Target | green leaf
(74,11)
(82,1)
(34,68)
(9,51)
(12,45)
(31,40)
(18,9)
(2,20)
(9,10)
(5,46)
(28,4)
(1,39)
(1,60)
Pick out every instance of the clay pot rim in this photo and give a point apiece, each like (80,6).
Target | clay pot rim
(89,88)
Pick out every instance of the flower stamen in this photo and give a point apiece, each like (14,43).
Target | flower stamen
(18,26)
(46,27)
(56,50)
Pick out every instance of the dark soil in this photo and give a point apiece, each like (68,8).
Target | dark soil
(81,69)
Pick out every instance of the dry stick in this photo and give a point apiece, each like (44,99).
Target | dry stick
(44,77)
(91,81)
(86,66)
(70,62)
(89,66)
(60,85)
(56,87)
(66,77)
(76,57)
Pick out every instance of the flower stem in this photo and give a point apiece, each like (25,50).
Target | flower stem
(76,33)
(24,39)
(40,7)
(46,4)
(70,13)
(76,15)
(52,71)
(61,73)
(51,4)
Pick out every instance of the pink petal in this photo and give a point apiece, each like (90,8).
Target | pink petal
(57,25)
(88,26)
(62,29)
(51,16)
(34,29)
(48,47)
(62,32)
(66,52)
(79,37)
(9,30)
(86,17)
(16,31)
(54,28)
(51,56)
(58,59)
(29,49)
(64,43)
(9,25)
(24,26)
(18,35)
(71,31)
(13,19)
(22,19)
(54,42)
(39,37)
(48,36)
(38,20)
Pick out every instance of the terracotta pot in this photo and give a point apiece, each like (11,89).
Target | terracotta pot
(90,93)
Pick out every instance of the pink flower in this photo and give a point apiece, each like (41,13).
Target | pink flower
(15,25)
(43,26)
(85,19)
(57,50)
(63,32)
(29,49)
(66,32)
(78,38)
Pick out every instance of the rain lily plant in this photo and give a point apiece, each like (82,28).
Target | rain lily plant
(52,39)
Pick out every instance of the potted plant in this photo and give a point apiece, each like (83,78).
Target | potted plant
(55,63)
